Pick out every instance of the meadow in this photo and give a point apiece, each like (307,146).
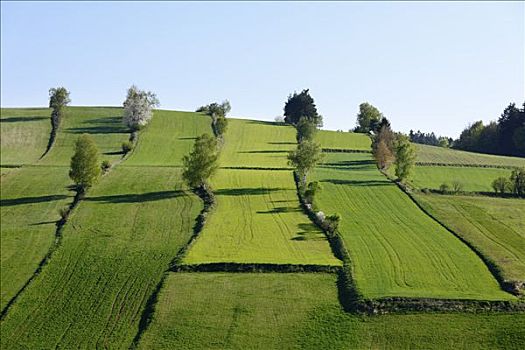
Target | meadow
(24,134)
(258,219)
(472,179)
(291,311)
(494,225)
(434,154)
(344,140)
(396,249)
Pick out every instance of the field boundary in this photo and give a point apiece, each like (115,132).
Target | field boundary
(254,267)
(467,165)
(345,150)
(512,287)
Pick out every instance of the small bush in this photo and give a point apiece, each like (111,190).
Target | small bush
(127,147)
(457,187)
(106,164)
(63,212)
(500,185)
(332,222)
(444,188)
(425,190)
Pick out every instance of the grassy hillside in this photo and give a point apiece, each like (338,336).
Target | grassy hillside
(472,179)
(494,225)
(434,154)
(24,134)
(258,220)
(291,311)
(397,250)
(252,143)
(168,137)
(115,248)
(344,140)
(31,196)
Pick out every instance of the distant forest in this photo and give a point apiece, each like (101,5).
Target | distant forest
(506,136)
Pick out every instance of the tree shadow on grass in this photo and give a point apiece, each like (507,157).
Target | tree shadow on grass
(309,232)
(282,143)
(246,191)
(21,119)
(113,153)
(358,182)
(262,122)
(32,200)
(137,197)
(112,125)
(187,138)
(278,210)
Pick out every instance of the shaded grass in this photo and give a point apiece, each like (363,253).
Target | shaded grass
(395,248)
(257,219)
(494,225)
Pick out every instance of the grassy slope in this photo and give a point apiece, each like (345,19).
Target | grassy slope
(252,143)
(257,218)
(277,311)
(396,249)
(434,154)
(472,179)
(494,225)
(32,195)
(24,133)
(115,248)
(344,140)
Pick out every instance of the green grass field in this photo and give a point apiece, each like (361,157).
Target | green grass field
(396,249)
(494,225)
(434,154)
(252,143)
(472,179)
(24,134)
(344,140)
(168,137)
(258,220)
(301,311)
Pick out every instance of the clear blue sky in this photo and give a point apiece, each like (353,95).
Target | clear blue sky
(428,66)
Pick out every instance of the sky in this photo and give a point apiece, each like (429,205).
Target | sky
(433,66)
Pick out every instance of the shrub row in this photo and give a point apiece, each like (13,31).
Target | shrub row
(345,150)
(499,166)
(253,267)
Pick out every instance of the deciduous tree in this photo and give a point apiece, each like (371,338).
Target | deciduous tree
(85,167)
(138,107)
(368,118)
(405,154)
(201,163)
(304,158)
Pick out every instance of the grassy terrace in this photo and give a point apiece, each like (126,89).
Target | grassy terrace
(24,134)
(301,311)
(257,218)
(396,249)
(494,225)
(434,154)
(344,140)
(472,179)
(115,247)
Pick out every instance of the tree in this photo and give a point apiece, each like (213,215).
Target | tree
(517,181)
(511,119)
(304,158)
(58,99)
(201,163)
(500,185)
(311,190)
(85,167)
(220,125)
(405,154)
(368,118)
(299,106)
(138,107)
(306,130)
(383,146)
(215,109)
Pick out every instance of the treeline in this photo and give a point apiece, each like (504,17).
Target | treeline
(506,136)
(430,139)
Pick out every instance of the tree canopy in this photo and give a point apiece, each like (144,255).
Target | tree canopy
(405,154)
(85,167)
(138,107)
(306,130)
(201,163)
(215,109)
(58,99)
(304,158)
(368,118)
(299,106)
